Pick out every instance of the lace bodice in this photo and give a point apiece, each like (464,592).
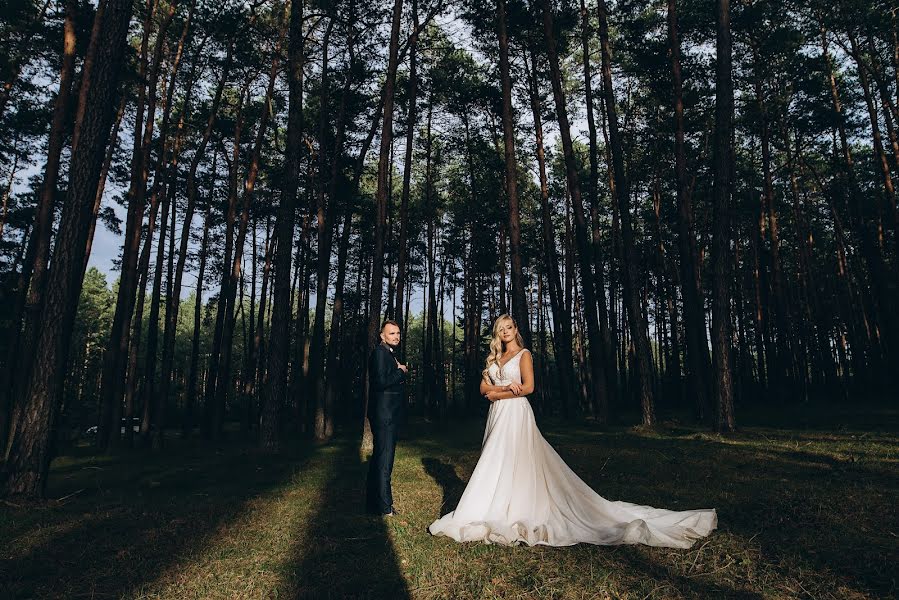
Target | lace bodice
(509,373)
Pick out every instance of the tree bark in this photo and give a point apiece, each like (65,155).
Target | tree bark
(25,471)
(412,115)
(150,419)
(784,358)
(193,374)
(119,339)
(519,301)
(561,317)
(698,366)
(593,201)
(274,395)
(153,417)
(860,220)
(257,352)
(37,255)
(173,300)
(224,376)
(324,216)
(104,173)
(722,165)
(132,371)
(214,403)
(600,395)
(880,156)
(637,322)
(377,274)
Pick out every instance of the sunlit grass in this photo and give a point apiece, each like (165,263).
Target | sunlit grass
(804,512)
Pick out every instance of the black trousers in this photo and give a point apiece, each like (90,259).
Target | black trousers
(379,496)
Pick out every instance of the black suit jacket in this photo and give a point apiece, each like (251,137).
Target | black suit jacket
(385,386)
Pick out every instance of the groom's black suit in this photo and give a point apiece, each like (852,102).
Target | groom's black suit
(385,410)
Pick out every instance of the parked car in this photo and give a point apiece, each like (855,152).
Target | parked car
(135,427)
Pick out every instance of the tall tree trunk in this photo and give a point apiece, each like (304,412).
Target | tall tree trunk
(519,301)
(174,303)
(274,395)
(173,299)
(377,273)
(808,302)
(193,374)
(784,358)
(119,339)
(214,403)
(723,165)
(337,312)
(25,470)
(218,375)
(327,387)
(35,265)
(153,418)
(879,153)
(324,215)
(257,352)
(599,398)
(593,199)
(149,422)
(859,217)
(104,174)
(665,295)
(560,316)
(698,367)
(433,388)
(636,318)
(412,115)
(759,314)
(224,376)
(132,371)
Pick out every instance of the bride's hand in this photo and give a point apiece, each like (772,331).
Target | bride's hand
(492,396)
(515,388)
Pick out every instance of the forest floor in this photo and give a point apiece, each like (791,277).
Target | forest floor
(806,510)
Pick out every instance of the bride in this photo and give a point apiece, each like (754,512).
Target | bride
(521,491)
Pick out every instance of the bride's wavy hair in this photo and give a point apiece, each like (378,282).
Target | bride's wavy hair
(496,345)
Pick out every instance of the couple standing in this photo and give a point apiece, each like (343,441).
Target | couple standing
(521,491)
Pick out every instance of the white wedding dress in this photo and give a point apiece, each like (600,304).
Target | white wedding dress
(521,491)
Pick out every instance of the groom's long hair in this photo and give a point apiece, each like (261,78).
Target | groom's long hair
(496,345)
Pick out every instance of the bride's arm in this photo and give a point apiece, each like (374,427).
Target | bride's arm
(487,387)
(527,381)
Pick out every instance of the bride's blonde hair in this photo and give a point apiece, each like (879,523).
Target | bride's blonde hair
(497,347)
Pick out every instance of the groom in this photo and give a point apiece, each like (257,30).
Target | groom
(386,377)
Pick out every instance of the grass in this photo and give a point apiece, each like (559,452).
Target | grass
(806,511)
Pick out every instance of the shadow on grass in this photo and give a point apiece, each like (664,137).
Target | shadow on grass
(444,473)
(796,515)
(637,561)
(347,553)
(130,518)
(806,512)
